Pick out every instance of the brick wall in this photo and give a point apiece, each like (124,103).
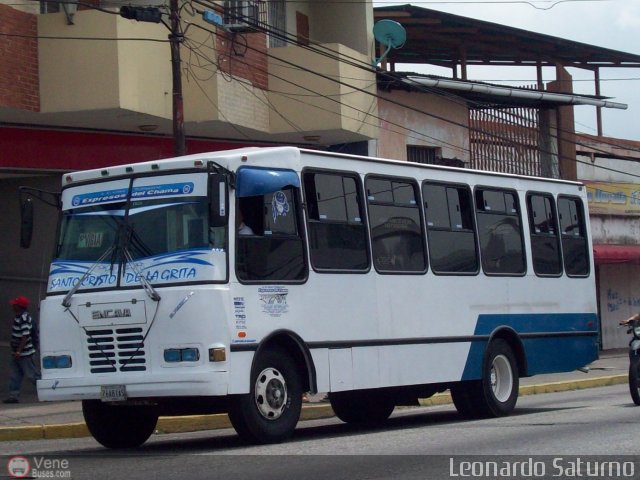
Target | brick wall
(244,55)
(19,83)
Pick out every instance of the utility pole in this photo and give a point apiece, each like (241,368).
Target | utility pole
(153,15)
(176,38)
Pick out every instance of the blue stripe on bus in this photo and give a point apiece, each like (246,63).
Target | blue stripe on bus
(552,342)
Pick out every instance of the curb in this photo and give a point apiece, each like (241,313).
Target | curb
(194,423)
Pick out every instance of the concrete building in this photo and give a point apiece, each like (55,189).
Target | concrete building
(610,169)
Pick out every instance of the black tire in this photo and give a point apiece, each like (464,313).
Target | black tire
(362,407)
(496,394)
(270,411)
(463,395)
(119,426)
(634,383)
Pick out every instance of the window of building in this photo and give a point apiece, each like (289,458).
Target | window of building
(450,229)
(277,21)
(500,232)
(49,7)
(543,228)
(396,227)
(269,240)
(573,233)
(422,154)
(337,231)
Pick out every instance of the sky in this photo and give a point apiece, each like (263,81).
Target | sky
(613,24)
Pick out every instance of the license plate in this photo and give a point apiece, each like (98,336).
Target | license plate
(113,393)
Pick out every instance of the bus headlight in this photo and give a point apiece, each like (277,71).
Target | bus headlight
(175,355)
(56,361)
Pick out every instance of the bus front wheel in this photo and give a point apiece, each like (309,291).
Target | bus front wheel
(270,411)
(119,426)
(496,394)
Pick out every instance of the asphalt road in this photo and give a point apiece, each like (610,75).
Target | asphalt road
(423,443)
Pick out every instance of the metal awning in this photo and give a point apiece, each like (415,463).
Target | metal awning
(502,94)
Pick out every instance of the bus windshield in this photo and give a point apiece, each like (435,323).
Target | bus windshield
(166,234)
(151,228)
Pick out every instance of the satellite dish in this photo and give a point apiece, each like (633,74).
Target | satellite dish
(389,33)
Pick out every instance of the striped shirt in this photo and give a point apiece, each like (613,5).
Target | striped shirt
(22,327)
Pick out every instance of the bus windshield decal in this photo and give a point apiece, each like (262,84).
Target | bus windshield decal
(94,198)
(162,190)
(137,193)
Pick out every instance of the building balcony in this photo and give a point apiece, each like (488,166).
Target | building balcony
(105,72)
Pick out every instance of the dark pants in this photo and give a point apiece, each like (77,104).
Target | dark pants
(19,368)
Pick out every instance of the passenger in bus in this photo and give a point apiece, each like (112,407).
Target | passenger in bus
(243,228)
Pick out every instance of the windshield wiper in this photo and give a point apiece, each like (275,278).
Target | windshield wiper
(148,288)
(66,301)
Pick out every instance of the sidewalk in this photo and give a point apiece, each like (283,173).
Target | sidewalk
(33,420)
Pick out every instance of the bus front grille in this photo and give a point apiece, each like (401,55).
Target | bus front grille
(116,350)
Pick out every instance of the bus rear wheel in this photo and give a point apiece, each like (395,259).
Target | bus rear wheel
(362,407)
(496,394)
(119,426)
(270,411)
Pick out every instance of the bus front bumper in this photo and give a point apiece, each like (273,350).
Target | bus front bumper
(137,386)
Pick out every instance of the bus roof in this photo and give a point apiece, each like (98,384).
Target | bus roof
(227,157)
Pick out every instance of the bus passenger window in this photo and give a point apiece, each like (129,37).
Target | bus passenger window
(543,228)
(500,232)
(337,233)
(269,247)
(450,230)
(573,233)
(396,226)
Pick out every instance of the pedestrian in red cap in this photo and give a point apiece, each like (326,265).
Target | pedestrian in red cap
(23,349)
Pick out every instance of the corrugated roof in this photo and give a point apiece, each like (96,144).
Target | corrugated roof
(445,39)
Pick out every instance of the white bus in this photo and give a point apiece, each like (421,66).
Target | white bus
(236,281)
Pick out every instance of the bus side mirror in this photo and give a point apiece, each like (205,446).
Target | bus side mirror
(219,209)
(26,223)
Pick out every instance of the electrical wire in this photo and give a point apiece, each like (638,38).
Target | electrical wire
(444,119)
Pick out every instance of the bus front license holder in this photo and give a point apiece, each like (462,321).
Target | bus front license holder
(113,393)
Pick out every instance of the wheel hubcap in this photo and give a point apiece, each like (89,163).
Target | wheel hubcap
(271,393)
(501,378)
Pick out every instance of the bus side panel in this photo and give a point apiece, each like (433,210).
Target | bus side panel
(321,363)
(240,369)
(341,369)
(552,342)
(422,364)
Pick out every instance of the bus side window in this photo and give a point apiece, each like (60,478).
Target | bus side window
(543,228)
(450,228)
(573,233)
(500,232)
(270,246)
(396,226)
(337,232)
